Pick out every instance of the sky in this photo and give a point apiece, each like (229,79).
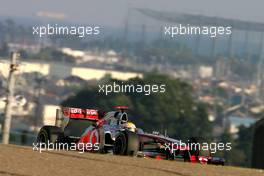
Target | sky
(113,12)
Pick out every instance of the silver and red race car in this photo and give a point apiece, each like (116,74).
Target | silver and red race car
(111,132)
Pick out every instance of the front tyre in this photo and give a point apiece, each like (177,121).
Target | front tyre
(120,145)
(126,143)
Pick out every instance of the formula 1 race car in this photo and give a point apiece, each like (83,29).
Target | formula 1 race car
(75,125)
(112,133)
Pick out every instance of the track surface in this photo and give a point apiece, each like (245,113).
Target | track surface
(23,161)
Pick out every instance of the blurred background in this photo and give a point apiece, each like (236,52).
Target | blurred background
(214,86)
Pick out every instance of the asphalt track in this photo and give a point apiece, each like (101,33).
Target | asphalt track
(23,161)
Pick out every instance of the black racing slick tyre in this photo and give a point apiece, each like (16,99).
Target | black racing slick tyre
(126,143)
(120,144)
(51,134)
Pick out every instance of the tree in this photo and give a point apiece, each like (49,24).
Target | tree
(244,143)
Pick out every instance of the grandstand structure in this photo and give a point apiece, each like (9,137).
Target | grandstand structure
(239,25)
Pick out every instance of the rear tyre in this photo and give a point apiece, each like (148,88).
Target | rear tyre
(126,143)
(49,134)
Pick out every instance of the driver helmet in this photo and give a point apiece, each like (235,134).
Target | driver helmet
(130,126)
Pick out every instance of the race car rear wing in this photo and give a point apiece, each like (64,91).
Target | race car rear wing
(76,113)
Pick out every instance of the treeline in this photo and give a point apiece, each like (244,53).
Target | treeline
(175,111)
